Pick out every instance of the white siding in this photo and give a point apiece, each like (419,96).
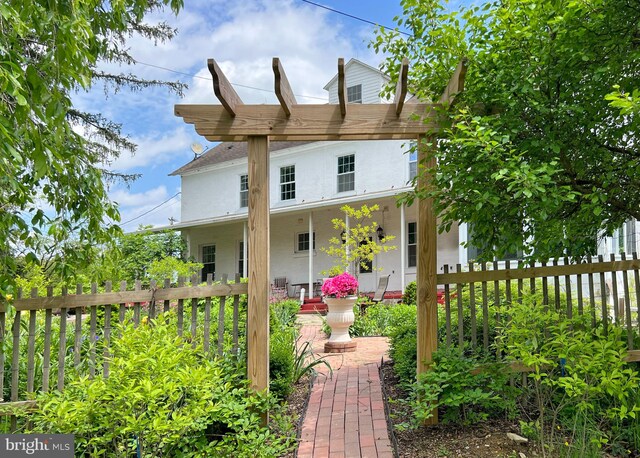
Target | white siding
(355,73)
(379,166)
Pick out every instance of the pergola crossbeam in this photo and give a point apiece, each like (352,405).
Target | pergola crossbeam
(342,88)
(316,122)
(401,87)
(282,88)
(223,90)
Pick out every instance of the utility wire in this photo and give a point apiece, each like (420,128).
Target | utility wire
(357,18)
(211,79)
(149,211)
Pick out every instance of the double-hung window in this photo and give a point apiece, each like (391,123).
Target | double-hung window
(241,257)
(346,173)
(354,94)
(208,261)
(244,191)
(412,244)
(288,182)
(303,241)
(413,165)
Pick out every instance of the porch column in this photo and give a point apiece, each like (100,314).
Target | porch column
(244,249)
(403,246)
(259,276)
(311,247)
(426,273)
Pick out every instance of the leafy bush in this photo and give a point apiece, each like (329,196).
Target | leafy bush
(172,268)
(283,314)
(403,349)
(163,396)
(282,346)
(289,359)
(410,295)
(585,394)
(467,396)
(379,319)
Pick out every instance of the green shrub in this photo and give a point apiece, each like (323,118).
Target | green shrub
(163,396)
(410,295)
(585,394)
(283,314)
(282,347)
(377,319)
(403,352)
(467,396)
(289,359)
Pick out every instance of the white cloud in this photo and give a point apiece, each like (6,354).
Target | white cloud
(127,199)
(305,38)
(155,148)
(153,207)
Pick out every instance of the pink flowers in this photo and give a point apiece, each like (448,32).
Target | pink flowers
(342,285)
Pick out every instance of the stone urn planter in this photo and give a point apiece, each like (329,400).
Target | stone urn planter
(339,318)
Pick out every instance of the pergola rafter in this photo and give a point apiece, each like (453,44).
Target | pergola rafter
(257,124)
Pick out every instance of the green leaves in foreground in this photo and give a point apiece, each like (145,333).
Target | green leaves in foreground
(540,153)
(165,397)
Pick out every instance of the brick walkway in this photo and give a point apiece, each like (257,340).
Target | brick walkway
(345,416)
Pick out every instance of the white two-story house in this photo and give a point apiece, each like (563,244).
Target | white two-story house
(309,182)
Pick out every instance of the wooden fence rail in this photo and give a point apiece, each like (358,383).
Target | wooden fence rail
(43,334)
(609,290)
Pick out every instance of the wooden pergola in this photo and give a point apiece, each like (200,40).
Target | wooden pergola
(257,124)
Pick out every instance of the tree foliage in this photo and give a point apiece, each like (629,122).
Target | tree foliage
(537,157)
(356,247)
(52,154)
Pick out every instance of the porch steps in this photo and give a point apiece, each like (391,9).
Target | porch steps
(313,305)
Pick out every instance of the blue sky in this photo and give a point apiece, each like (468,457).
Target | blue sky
(243,37)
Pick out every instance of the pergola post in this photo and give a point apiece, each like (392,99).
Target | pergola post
(258,263)
(427,268)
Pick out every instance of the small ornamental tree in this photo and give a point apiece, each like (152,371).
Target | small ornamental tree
(356,246)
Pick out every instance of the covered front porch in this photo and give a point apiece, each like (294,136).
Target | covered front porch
(222,246)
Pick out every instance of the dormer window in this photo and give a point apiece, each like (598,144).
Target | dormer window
(354,94)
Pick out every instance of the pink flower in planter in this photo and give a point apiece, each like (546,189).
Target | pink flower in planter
(342,285)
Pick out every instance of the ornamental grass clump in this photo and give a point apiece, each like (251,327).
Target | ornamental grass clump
(340,286)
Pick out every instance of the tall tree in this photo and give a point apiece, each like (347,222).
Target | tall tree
(537,158)
(52,180)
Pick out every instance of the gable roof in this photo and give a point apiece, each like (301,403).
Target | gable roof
(351,62)
(228,151)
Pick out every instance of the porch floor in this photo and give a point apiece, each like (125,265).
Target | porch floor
(345,416)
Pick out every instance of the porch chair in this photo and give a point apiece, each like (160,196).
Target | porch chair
(280,287)
(378,296)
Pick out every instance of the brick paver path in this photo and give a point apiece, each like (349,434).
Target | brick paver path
(345,416)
